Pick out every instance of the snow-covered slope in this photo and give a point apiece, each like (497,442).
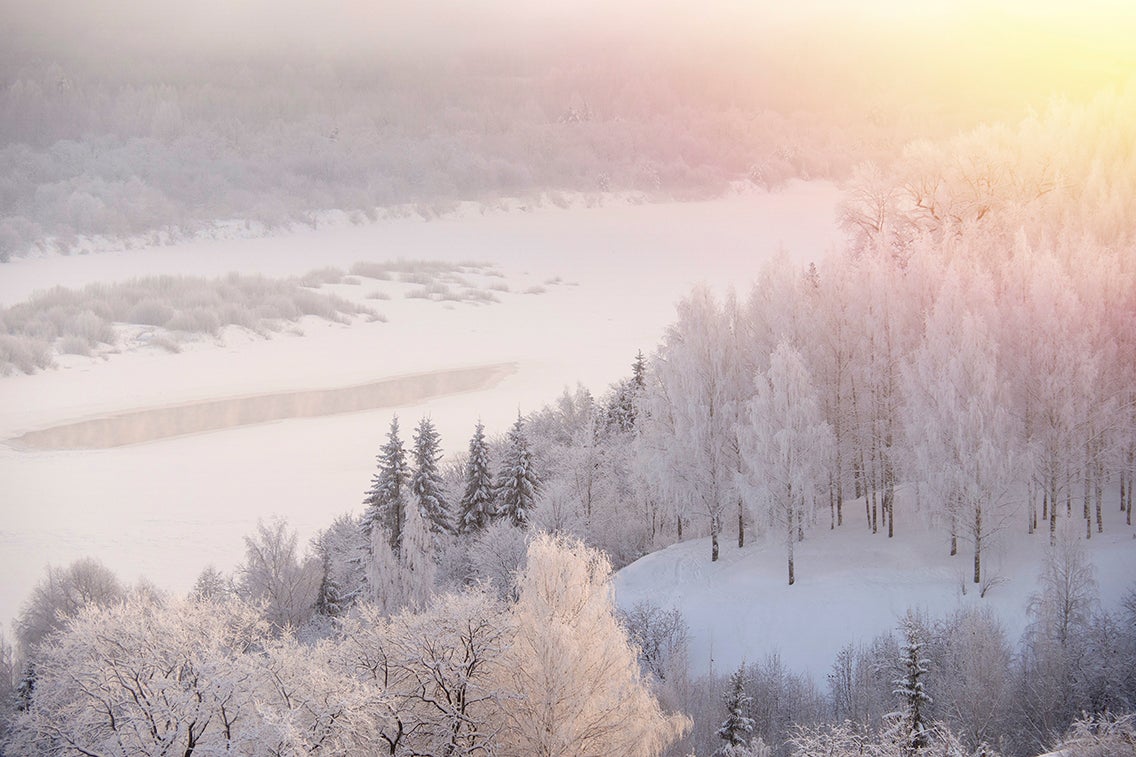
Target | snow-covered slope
(851,585)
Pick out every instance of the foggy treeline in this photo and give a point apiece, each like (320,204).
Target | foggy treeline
(160,131)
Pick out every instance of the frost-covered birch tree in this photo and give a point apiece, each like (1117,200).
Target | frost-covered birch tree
(786,444)
(956,419)
(573,677)
(692,407)
(276,576)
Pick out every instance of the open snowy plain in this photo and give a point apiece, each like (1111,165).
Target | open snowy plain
(178,482)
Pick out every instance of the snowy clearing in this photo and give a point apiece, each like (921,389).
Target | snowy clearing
(851,586)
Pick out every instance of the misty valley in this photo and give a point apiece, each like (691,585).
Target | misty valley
(567,379)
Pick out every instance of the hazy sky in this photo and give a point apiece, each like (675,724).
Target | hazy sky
(323,26)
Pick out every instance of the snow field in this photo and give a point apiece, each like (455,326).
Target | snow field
(851,585)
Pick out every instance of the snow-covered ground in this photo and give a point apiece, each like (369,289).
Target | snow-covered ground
(851,585)
(166,508)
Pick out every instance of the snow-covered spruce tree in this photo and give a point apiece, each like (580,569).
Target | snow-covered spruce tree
(517,484)
(622,406)
(386,499)
(737,728)
(426,485)
(476,505)
(908,728)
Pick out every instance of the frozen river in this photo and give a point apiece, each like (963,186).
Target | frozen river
(158,464)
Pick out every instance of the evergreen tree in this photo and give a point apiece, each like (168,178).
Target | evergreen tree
(623,404)
(386,499)
(331,599)
(426,483)
(25,687)
(908,729)
(476,505)
(737,727)
(517,484)
(639,371)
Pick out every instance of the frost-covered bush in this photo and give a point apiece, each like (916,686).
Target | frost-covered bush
(23,354)
(415,277)
(320,276)
(852,740)
(496,554)
(381,271)
(73,345)
(80,321)
(150,312)
(191,676)
(196,321)
(661,636)
(1107,735)
(60,596)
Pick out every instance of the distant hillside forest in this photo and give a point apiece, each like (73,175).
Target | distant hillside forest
(116,149)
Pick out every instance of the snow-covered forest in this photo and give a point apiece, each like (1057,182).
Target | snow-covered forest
(873,497)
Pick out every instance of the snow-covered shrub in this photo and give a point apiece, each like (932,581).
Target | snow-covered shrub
(1105,735)
(23,354)
(86,317)
(275,576)
(73,345)
(150,312)
(661,636)
(320,276)
(194,676)
(195,321)
(852,740)
(497,554)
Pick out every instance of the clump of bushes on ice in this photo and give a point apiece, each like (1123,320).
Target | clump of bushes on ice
(83,321)
(421,271)
(435,280)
